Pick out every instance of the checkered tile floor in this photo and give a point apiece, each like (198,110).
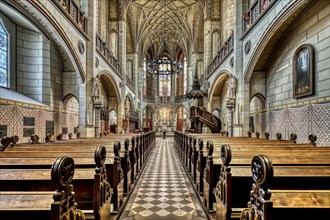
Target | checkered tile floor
(163,190)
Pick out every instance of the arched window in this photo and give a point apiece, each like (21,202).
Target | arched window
(165,70)
(114,43)
(185,72)
(3,56)
(200,66)
(145,76)
(129,69)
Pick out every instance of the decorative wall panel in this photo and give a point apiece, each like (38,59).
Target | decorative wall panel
(12,115)
(302,120)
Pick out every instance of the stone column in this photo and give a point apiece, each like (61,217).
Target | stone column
(140,85)
(207,48)
(243,90)
(86,127)
(122,62)
(97,108)
(230,110)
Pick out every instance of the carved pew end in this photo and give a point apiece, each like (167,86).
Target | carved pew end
(59,137)
(267,135)
(278,136)
(293,137)
(48,137)
(5,142)
(35,139)
(312,138)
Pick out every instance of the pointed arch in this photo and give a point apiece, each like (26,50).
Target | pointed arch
(216,42)
(71,103)
(148,116)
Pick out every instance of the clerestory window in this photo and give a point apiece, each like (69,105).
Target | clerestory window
(3,56)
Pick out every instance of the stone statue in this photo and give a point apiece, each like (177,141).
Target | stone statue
(231,82)
(96,89)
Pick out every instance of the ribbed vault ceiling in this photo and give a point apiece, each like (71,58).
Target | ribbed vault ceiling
(153,22)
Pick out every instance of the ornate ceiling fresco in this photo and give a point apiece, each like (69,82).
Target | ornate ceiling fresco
(178,23)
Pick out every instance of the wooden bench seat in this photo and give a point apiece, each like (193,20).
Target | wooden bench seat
(276,153)
(287,158)
(268,203)
(45,205)
(113,167)
(232,190)
(38,151)
(92,189)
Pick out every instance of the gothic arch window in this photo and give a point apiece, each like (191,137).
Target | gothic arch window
(129,67)
(216,43)
(113,43)
(164,71)
(200,70)
(185,73)
(3,56)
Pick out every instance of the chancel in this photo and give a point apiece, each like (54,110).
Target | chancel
(164,109)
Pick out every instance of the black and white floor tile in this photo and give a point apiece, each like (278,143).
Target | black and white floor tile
(163,190)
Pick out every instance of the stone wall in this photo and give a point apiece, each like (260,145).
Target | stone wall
(39,73)
(12,116)
(312,28)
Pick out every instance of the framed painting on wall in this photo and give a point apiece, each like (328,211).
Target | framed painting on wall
(303,71)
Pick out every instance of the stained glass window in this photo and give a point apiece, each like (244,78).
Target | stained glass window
(165,77)
(144,77)
(3,56)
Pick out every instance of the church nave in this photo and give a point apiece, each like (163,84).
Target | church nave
(163,189)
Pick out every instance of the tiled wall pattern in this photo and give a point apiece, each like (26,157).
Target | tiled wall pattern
(303,120)
(12,116)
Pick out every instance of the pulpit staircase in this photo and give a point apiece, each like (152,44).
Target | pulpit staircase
(201,115)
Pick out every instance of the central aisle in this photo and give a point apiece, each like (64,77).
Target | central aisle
(163,190)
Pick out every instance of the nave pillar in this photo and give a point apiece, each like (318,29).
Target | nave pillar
(122,60)
(86,104)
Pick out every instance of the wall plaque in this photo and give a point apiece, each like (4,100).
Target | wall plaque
(3,131)
(64,130)
(50,127)
(28,121)
(28,132)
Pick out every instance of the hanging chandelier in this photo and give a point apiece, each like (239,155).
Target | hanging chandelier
(164,66)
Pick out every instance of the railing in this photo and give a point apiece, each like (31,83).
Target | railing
(148,98)
(164,100)
(225,50)
(254,13)
(180,98)
(73,13)
(106,53)
(130,83)
(212,121)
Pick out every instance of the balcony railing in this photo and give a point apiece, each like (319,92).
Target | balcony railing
(106,53)
(223,53)
(255,12)
(73,13)
(180,98)
(148,98)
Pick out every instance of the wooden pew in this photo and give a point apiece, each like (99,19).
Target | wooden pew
(282,204)
(91,185)
(76,149)
(45,205)
(113,167)
(300,160)
(233,185)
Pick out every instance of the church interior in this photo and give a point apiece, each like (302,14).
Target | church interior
(170,109)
